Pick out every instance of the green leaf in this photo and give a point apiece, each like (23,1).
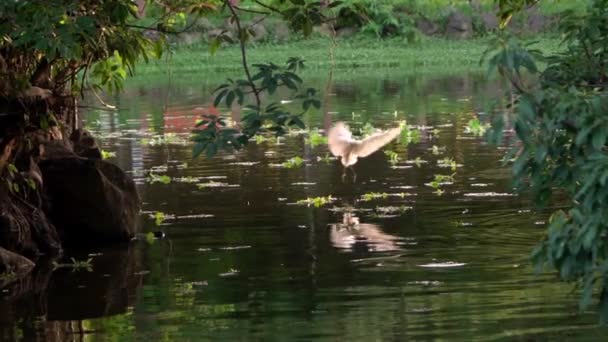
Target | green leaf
(214,45)
(198,149)
(230,98)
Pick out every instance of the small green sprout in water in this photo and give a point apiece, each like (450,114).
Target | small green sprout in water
(393,157)
(409,136)
(441,180)
(368,129)
(260,139)
(373,195)
(315,139)
(436,150)
(159,218)
(435,133)
(164,179)
(317,201)
(447,162)
(76,265)
(150,238)
(107,154)
(439,192)
(293,163)
(445,178)
(327,158)
(476,127)
(418,161)
(383,195)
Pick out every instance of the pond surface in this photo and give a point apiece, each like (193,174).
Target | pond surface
(389,258)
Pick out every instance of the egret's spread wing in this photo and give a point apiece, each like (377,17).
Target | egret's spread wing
(339,139)
(376,239)
(341,237)
(374,142)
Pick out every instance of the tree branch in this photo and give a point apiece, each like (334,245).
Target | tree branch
(268,7)
(251,10)
(237,20)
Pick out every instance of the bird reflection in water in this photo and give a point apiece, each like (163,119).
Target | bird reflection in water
(352,234)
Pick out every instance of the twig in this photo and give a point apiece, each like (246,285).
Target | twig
(257,21)
(274,9)
(251,10)
(102,101)
(162,30)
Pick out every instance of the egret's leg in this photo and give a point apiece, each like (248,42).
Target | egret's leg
(344,175)
(352,168)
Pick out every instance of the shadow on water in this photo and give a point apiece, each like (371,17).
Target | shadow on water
(53,305)
(388,259)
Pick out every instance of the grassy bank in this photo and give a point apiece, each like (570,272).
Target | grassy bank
(431,55)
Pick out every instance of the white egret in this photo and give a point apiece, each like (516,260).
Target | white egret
(342,144)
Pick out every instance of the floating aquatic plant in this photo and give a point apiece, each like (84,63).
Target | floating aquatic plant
(383,195)
(317,201)
(107,154)
(447,162)
(418,161)
(373,195)
(76,265)
(436,150)
(164,179)
(440,180)
(475,127)
(368,129)
(393,157)
(159,218)
(315,139)
(293,163)
(260,139)
(409,135)
(327,158)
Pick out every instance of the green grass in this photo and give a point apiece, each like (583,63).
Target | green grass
(431,55)
(438,8)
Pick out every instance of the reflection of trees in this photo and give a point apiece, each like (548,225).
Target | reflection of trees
(294,283)
(55,305)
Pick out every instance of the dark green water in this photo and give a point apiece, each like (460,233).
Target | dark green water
(242,261)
